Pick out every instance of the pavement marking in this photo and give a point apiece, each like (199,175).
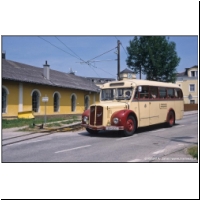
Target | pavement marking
(73,149)
(178,126)
(163,129)
(160,151)
(124,138)
(135,160)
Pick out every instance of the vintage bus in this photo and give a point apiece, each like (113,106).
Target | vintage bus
(128,104)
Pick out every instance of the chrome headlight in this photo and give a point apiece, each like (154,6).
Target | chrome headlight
(115,120)
(85,119)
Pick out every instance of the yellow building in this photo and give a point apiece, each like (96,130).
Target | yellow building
(188,81)
(25,88)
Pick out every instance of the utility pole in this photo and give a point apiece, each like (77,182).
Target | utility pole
(118,59)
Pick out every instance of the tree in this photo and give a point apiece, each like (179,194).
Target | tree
(153,56)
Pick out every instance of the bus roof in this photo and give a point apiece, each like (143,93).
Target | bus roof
(137,82)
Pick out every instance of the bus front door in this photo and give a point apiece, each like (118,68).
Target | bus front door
(144,113)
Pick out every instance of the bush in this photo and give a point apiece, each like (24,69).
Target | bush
(193,151)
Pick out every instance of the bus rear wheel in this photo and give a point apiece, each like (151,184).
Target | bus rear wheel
(91,131)
(171,119)
(130,126)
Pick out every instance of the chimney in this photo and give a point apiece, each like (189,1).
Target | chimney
(71,71)
(3,55)
(46,71)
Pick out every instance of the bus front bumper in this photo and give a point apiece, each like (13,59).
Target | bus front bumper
(107,128)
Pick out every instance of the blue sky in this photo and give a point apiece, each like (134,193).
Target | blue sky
(67,52)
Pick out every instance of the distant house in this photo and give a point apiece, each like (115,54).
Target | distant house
(99,81)
(125,74)
(188,81)
(24,86)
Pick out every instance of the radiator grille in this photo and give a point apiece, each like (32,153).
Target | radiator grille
(92,114)
(99,115)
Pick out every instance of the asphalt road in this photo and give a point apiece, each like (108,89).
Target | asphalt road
(151,144)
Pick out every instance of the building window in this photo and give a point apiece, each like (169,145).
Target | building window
(193,73)
(192,87)
(192,101)
(4,100)
(56,102)
(35,101)
(73,103)
(87,100)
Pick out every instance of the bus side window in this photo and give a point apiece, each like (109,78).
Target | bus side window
(170,93)
(180,94)
(153,91)
(162,93)
(175,93)
(144,94)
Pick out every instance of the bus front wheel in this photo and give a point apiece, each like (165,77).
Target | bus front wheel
(130,126)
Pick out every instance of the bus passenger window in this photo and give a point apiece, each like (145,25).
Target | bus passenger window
(162,93)
(144,94)
(170,93)
(153,91)
(178,93)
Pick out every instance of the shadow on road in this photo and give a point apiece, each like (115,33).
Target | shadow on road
(118,134)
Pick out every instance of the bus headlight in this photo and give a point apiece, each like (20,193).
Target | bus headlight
(115,120)
(85,119)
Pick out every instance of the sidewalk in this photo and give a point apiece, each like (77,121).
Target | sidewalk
(190,112)
(178,157)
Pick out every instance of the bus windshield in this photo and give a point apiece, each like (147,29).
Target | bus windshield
(116,94)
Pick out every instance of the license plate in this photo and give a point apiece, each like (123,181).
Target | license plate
(112,128)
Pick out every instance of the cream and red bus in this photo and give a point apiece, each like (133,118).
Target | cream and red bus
(126,105)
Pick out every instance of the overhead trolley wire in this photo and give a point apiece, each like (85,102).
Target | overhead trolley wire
(78,57)
(89,61)
(56,46)
(102,54)
(89,64)
(68,47)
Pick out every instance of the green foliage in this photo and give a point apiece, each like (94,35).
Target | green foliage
(68,122)
(193,151)
(10,123)
(53,125)
(155,56)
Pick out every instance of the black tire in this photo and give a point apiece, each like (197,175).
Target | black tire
(92,131)
(130,126)
(170,119)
